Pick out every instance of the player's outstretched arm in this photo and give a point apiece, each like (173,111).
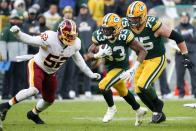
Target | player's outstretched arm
(31,40)
(78,59)
(167,32)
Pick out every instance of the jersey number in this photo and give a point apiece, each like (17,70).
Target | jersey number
(122,54)
(53,61)
(144,40)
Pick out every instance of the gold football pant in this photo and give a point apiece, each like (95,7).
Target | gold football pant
(112,79)
(148,72)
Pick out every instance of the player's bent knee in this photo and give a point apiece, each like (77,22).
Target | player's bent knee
(33,90)
(101,87)
(123,93)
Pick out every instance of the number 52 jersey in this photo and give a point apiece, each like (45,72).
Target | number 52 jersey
(51,56)
(120,48)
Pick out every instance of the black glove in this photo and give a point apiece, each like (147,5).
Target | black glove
(187,62)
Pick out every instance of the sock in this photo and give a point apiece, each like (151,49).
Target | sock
(35,111)
(151,94)
(146,101)
(12,101)
(108,98)
(130,99)
(158,104)
(41,105)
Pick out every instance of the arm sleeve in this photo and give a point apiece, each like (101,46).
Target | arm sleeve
(78,59)
(32,40)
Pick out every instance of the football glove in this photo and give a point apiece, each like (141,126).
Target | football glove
(103,52)
(96,76)
(187,62)
(15,29)
(129,74)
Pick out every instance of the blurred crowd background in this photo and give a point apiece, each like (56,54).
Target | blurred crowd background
(36,16)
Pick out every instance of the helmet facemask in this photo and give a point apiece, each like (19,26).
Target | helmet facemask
(134,21)
(111,26)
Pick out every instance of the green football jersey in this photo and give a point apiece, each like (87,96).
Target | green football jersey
(120,48)
(154,45)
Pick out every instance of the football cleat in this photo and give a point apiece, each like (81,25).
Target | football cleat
(140,113)
(158,117)
(192,105)
(4,107)
(111,111)
(35,118)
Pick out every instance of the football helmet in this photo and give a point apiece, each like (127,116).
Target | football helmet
(137,14)
(67,32)
(111,25)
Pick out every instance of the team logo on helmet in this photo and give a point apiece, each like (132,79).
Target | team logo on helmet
(111,25)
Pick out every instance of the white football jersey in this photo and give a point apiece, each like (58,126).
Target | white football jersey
(53,53)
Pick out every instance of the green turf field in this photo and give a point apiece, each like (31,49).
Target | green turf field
(86,116)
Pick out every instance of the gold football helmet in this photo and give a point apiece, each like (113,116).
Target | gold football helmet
(111,25)
(137,14)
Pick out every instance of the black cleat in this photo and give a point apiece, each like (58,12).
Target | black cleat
(158,118)
(4,107)
(35,118)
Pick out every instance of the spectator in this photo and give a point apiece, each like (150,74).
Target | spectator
(51,16)
(109,6)
(67,14)
(4,13)
(86,26)
(31,26)
(122,6)
(14,79)
(42,23)
(4,8)
(164,87)
(19,8)
(63,3)
(96,9)
(188,32)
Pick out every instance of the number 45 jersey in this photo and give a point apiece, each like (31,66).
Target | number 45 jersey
(154,45)
(120,48)
(51,56)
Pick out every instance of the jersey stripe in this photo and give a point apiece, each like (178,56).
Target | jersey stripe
(94,40)
(115,79)
(130,38)
(157,25)
(31,72)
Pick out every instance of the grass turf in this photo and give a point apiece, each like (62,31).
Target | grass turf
(86,116)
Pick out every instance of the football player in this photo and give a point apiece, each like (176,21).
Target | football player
(114,44)
(150,31)
(54,49)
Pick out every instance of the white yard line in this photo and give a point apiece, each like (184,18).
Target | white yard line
(133,118)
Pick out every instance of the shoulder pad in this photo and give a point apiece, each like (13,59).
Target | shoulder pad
(98,37)
(125,23)
(126,35)
(153,23)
